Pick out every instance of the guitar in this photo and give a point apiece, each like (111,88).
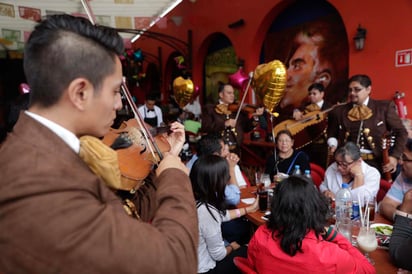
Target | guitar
(311,118)
(386,143)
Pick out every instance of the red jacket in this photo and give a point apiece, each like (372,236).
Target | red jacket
(319,255)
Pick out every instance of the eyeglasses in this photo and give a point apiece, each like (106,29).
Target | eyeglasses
(345,164)
(356,89)
(404,159)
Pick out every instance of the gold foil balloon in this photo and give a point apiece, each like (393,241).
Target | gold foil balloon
(269,82)
(183,90)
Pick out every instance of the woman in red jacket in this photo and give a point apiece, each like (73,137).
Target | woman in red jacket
(295,240)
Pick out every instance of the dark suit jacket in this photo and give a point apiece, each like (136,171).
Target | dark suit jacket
(384,119)
(213,122)
(59,217)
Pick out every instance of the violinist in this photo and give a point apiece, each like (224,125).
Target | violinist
(220,119)
(317,150)
(57,216)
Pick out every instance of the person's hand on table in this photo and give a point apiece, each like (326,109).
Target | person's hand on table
(253,207)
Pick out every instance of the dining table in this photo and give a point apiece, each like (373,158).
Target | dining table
(383,264)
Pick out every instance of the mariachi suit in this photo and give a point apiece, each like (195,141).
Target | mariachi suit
(213,122)
(57,216)
(384,119)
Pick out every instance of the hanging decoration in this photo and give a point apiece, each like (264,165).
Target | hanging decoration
(180,62)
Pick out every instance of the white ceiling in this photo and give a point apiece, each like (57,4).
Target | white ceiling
(135,14)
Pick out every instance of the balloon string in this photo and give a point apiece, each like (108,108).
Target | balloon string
(244,97)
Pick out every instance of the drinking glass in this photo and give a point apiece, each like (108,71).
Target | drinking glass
(265,180)
(367,241)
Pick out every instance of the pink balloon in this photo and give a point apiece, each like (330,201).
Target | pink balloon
(238,79)
(196,93)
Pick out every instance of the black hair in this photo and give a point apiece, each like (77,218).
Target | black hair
(221,86)
(151,97)
(63,47)
(209,144)
(317,86)
(363,79)
(297,208)
(209,176)
(284,131)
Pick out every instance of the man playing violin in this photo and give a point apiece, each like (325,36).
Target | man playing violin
(317,149)
(57,216)
(220,119)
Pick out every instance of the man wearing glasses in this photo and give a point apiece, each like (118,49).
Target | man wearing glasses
(397,206)
(366,122)
(349,168)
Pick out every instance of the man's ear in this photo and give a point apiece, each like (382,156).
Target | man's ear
(80,91)
(324,78)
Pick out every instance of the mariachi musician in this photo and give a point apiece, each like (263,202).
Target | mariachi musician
(317,149)
(220,119)
(365,122)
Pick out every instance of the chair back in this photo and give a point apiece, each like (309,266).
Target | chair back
(243,265)
(384,186)
(318,173)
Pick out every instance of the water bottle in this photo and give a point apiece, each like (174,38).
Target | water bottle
(343,203)
(307,174)
(297,171)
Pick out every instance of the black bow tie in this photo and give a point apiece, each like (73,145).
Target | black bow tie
(149,110)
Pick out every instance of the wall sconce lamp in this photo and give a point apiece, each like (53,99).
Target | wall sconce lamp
(360,38)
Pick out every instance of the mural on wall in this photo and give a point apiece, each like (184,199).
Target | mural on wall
(311,40)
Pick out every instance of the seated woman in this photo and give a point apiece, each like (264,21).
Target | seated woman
(351,169)
(209,176)
(285,157)
(295,240)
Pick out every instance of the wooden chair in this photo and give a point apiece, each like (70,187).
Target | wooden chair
(318,173)
(243,265)
(384,186)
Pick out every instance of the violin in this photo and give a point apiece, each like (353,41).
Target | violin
(234,107)
(139,147)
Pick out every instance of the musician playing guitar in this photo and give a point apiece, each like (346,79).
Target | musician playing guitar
(317,149)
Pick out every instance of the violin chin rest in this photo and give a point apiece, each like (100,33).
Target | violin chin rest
(122,141)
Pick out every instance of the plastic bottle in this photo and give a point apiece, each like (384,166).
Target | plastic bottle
(343,203)
(307,174)
(297,171)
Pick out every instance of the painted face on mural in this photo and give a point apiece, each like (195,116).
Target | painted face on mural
(301,73)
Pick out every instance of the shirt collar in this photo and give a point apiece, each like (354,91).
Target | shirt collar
(67,136)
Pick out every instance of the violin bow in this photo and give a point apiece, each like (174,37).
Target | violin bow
(128,96)
(244,96)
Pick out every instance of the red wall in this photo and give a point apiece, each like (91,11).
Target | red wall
(388,30)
